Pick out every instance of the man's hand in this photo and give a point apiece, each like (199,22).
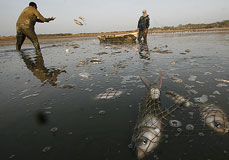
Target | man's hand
(52,18)
(146,30)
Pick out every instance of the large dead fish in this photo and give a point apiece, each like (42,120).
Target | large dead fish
(78,22)
(149,126)
(214,117)
(147,131)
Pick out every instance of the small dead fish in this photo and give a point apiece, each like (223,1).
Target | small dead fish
(222,80)
(84,75)
(178,99)
(78,22)
(83,19)
(96,61)
(65,86)
(214,117)
(110,93)
(110,74)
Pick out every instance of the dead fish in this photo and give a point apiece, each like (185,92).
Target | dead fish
(214,117)
(222,80)
(83,19)
(178,99)
(147,131)
(110,74)
(78,22)
(65,86)
(110,93)
(96,61)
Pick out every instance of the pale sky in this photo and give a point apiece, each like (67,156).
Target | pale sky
(112,15)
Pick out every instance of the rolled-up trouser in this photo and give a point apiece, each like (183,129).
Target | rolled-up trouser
(142,34)
(24,31)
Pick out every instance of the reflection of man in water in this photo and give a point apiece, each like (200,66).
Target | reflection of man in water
(144,51)
(143,25)
(25,25)
(39,70)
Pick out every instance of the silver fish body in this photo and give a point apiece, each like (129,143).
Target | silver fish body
(147,131)
(215,118)
(178,99)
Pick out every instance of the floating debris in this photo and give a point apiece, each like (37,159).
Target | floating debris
(214,117)
(175,123)
(192,78)
(12,156)
(54,129)
(189,86)
(160,51)
(84,75)
(216,93)
(201,134)
(118,52)
(177,80)
(46,149)
(222,80)
(101,53)
(189,127)
(31,95)
(82,63)
(200,82)
(221,85)
(65,86)
(202,99)
(102,112)
(130,79)
(183,53)
(187,50)
(207,73)
(110,74)
(192,91)
(110,93)
(173,63)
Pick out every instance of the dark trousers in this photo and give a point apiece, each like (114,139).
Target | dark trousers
(22,33)
(142,34)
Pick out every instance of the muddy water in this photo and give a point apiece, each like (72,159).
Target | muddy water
(49,110)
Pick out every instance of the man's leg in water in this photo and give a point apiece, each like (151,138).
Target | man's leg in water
(20,39)
(30,33)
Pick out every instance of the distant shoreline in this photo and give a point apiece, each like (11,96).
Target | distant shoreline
(69,35)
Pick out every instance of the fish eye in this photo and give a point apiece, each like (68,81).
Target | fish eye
(144,141)
(217,125)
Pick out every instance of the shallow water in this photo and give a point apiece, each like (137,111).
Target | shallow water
(55,85)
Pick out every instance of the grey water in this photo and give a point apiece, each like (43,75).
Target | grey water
(48,108)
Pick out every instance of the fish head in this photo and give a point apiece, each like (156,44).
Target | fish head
(146,142)
(148,137)
(155,93)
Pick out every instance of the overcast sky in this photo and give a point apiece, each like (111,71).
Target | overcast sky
(112,15)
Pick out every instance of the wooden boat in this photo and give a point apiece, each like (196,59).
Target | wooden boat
(119,38)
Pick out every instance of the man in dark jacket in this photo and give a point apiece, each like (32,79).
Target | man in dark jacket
(25,25)
(143,25)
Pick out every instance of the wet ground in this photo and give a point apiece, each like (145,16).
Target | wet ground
(52,106)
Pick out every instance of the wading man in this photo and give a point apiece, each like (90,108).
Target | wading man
(143,25)
(25,25)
